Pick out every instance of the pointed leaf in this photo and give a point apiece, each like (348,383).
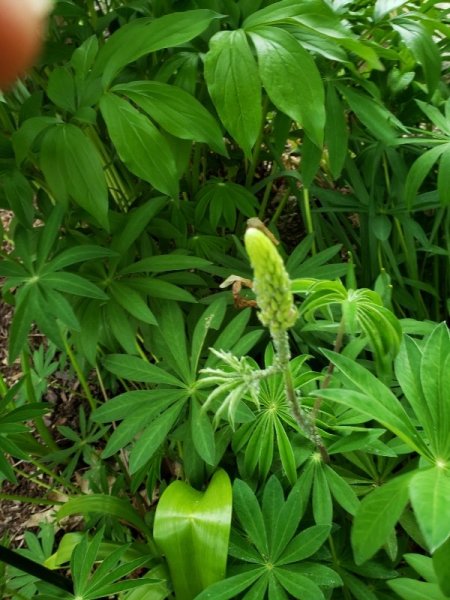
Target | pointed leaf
(291,79)
(377,515)
(140,145)
(429,491)
(233,83)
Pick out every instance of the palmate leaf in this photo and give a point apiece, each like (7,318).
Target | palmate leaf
(223,201)
(270,547)
(362,311)
(192,529)
(104,581)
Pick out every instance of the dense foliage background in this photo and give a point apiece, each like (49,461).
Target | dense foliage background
(131,157)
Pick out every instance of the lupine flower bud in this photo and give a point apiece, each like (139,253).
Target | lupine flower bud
(271,282)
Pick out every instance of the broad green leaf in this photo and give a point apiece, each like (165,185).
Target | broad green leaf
(298,585)
(24,138)
(124,405)
(48,236)
(230,587)
(83,57)
(20,326)
(203,433)
(138,418)
(138,369)
(249,514)
(441,560)
(192,529)
(60,308)
(103,504)
(172,342)
(143,36)
(70,283)
(336,131)
(377,515)
(358,588)
(444,177)
(381,123)
(233,82)
(132,302)
(19,195)
(341,491)
(291,79)
(420,43)
(61,89)
(375,400)
(158,288)
(283,11)
(286,452)
(211,319)
(441,121)
(412,589)
(83,560)
(166,262)
(272,500)
(419,170)
(305,544)
(136,221)
(152,438)
(139,144)
(429,492)
(289,516)
(222,201)
(77,254)
(72,166)
(434,376)
(176,111)
(121,327)
(423,565)
(383,7)
(321,498)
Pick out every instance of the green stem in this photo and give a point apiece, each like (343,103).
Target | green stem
(28,500)
(195,170)
(281,343)
(267,190)
(80,375)
(257,148)
(280,207)
(3,387)
(330,370)
(40,467)
(308,218)
(41,427)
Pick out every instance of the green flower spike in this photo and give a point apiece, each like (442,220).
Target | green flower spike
(271,283)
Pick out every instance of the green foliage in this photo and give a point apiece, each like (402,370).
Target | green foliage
(192,529)
(267,540)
